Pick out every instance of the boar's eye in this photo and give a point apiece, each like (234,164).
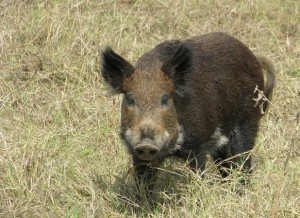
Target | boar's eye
(164,100)
(130,100)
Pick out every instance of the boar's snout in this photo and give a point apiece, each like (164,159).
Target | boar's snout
(147,133)
(146,150)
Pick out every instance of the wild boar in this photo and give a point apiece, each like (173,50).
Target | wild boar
(189,99)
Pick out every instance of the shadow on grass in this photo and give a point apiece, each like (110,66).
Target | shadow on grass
(123,196)
(174,186)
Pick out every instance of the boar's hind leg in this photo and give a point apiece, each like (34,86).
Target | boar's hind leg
(243,139)
(236,154)
(220,156)
(144,176)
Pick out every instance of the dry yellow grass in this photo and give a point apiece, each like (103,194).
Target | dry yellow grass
(60,154)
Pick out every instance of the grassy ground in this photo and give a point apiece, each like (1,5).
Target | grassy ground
(60,154)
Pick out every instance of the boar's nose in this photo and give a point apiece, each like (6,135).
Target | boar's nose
(147,133)
(146,151)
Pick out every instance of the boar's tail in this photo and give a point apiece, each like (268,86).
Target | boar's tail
(269,69)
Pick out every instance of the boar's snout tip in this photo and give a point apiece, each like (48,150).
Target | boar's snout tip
(146,151)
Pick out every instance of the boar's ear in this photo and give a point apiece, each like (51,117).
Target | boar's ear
(178,68)
(115,69)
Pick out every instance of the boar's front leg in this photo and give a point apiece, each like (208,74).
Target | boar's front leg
(144,178)
(196,160)
(194,155)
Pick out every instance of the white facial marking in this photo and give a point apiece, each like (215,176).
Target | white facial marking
(163,139)
(132,138)
(180,139)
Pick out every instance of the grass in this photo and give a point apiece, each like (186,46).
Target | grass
(60,153)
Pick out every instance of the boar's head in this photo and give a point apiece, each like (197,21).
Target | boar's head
(149,123)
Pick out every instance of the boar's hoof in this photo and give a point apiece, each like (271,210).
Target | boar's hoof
(146,151)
